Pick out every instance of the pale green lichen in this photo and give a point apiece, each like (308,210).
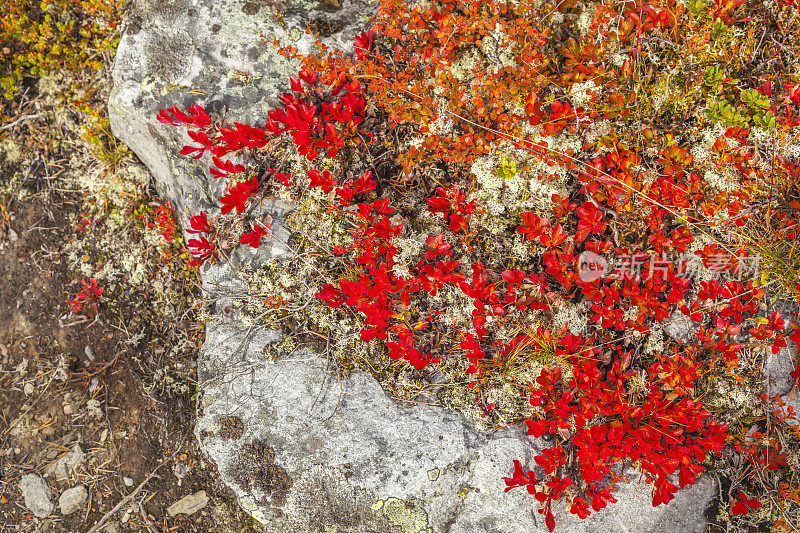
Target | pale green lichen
(250,506)
(407,514)
(10,150)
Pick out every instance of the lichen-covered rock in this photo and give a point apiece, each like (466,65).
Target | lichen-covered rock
(189,505)
(305,451)
(779,366)
(210,52)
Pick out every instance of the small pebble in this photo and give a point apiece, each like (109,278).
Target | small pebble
(128,481)
(189,504)
(72,499)
(28,389)
(36,494)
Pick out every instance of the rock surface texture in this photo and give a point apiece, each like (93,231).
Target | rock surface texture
(72,499)
(67,464)
(189,505)
(303,450)
(211,52)
(36,494)
(342,453)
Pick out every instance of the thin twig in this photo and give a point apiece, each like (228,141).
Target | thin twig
(146,517)
(20,119)
(127,499)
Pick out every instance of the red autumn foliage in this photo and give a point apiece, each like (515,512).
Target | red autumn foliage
(89,294)
(614,407)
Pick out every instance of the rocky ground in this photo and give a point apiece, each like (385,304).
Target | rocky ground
(96,406)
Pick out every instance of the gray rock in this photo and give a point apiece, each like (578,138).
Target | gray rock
(189,505)
(66,464)
(680,327)
(211,53)
(72,499)
(36,494)
(343,454)
(778,366)
(777,369)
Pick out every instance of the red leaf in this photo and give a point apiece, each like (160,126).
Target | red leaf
(438,247)
(254,237)
(199,224)
(324,180)
(555,238)
(533,226)
(550,520)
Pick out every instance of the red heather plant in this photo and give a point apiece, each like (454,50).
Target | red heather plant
(167,224)
(88,295)
(604,403)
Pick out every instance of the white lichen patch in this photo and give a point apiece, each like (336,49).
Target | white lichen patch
(575,316)
(10,150)
(654,341)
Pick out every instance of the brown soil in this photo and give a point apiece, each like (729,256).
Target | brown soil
(105,396)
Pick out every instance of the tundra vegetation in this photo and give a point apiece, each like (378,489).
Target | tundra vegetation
(98,329)
(504,206)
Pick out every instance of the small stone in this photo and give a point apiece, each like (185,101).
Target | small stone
(189,504)
(28,389)
(12,235)
(36,493)
(128,481)
(680,328)
(67,463)
(72,499)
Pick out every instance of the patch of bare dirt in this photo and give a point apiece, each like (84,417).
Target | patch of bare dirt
(118,383)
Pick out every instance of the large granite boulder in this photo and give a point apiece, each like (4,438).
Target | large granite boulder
(303,450)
